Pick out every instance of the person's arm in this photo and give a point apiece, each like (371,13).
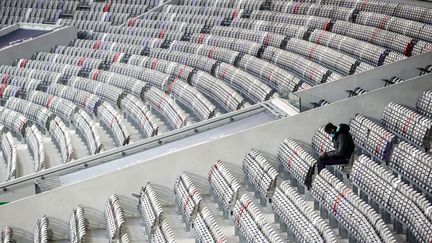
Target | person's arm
(341,148)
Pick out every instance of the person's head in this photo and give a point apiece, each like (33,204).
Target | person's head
(330,129)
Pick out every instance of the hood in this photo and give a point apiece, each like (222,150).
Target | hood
(343,128)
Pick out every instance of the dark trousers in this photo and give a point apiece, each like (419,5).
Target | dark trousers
(323,161)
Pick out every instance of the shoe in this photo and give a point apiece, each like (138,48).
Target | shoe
(308,180)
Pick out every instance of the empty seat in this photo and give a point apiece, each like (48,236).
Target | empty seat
(287,18)
(206,228)
(166,106)
(306,69)
(163,233)
(115,221)
(251,224)
(413,164)
(13,120)
(9,149)
(6,235)
(223,186)
(240,45)
(384,38)
(396,197)
(187,197)
(130,85)
(31,78)
(275,77)
(245,83)
(87,129)
(108,92)
(26,84)
(302,221)
(141,115)
(288,30)
(408,124)
(411,28)
(42,233)
(151,77)
(372,137)
(262,37)
(295,160)
(150,209)
(219,91)
(424,104)
(36,147)
(77,225)
(324,55)
(47,120)
(66,69)
(7,91)
(357,217)
(260,174)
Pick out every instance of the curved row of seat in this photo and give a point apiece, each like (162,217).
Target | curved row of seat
(152,213)
(260,174)
(77,225)
(9,150)
(37,148)
(187,197)
(7,235)
(115,221)
(42,233)
(295,160)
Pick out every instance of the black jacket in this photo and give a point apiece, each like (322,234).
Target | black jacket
(343,143)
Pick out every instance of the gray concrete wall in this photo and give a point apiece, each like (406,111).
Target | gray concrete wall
(60,36)
(370,80)
(92,193)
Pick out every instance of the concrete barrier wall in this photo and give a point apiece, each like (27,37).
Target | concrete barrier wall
(370,80)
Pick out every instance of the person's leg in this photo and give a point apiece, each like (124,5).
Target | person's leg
(323,162)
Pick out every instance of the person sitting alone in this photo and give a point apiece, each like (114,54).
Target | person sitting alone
(344,148)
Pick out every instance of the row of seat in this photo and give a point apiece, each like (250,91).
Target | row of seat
(295,160)
(37,148)
(25,83)
(41,232)
(30,79)
(115,221)
(260,174)
(188,95)
(77,225)
(292,210)
(130,85)
(7,235)
(9,149)
(7,91)
(153,216)
(408,124)
(165,105)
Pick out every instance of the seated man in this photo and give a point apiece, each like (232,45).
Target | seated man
(344,148)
